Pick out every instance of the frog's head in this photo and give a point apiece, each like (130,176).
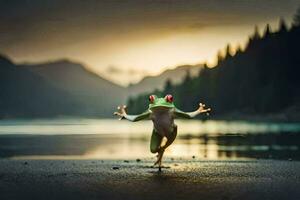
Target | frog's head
(157,103)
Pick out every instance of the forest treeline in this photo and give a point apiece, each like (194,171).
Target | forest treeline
(262,78)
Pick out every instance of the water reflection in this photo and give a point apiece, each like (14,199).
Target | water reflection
(94,139)
(284,145)
(276,146)
(110,126)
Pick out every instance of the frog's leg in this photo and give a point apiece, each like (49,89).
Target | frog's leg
(155,143)
(155,146)
(171,137)
(170,140)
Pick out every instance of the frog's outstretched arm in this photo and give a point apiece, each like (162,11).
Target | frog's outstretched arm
(123,115)
(189,115)
(134,118)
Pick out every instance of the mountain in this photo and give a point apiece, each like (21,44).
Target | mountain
(25,94)
(151,83)
(263,79)
(98,96)
(61,88)
(67,88)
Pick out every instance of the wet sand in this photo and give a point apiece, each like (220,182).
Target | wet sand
(130,179)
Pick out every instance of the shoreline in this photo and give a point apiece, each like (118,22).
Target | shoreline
(132,179)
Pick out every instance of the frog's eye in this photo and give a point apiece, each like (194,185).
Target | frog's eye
(151,98)
(169,98)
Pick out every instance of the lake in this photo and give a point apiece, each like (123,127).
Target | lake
(114,139)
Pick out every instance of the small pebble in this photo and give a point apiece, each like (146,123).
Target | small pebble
(126,161)
(116,168)
(138,160)
(25,163)
(193,157)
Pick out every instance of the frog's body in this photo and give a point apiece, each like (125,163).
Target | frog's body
(163,120)
(163,126)
(162,112)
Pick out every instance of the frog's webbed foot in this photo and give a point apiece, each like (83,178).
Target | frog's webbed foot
(159,158)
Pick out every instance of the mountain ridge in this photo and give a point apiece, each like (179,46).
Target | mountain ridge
(157,82)
(65,87)
(25,94)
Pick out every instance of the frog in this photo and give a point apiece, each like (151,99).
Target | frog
(162,111)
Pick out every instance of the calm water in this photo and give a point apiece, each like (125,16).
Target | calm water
(105,139)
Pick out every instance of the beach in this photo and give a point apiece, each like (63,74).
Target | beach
(136,179)
(108,159)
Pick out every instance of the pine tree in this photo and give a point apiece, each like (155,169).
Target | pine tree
(282,26)
(297,18)
(219,57)
(168,86)
(238,50)
(267,30)
(228,51)
(187,77)
(256,34)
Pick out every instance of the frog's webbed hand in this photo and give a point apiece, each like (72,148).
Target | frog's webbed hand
(123,114)
(202,108)
(189,115)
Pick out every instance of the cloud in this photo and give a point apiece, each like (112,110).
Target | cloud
(120,32)
(136,71)
(113,70)
(62,22)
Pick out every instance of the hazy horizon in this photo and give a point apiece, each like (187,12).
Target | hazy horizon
(127,40)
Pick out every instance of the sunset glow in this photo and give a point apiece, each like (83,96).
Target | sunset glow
(137,39)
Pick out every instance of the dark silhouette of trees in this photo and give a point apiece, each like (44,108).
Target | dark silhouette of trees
(219,57)
(261,79)
(282,26)
(256,34)
(168,87)
(228,51)
(296,21)
(267,31)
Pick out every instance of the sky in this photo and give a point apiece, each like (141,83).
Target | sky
(125,40)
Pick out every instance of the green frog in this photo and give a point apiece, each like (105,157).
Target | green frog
(162,112)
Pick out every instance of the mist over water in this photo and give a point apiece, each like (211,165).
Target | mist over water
(114,139)
(115,127)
